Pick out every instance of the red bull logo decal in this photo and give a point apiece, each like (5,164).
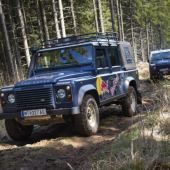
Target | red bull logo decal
(108,86)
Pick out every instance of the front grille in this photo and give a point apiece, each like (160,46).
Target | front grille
(34,98)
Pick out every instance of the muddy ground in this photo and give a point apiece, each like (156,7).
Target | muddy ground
(58,147)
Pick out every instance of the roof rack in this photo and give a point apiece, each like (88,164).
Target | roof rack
(80,38)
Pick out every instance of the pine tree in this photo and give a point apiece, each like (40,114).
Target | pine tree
(63,29)
(56,19)
(23,31)
(12,69)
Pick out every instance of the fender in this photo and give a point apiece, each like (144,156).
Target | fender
(127,82)
(82,92)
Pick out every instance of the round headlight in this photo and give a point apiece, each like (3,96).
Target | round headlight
(11,98)
(2,94)
(61,93)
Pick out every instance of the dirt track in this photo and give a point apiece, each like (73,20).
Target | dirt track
(58,147)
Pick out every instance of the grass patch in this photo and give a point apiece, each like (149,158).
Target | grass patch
(146,145)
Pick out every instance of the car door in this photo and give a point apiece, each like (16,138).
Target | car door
(117,75)
(103,73)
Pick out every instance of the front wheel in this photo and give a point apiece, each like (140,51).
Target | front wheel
(87,122)
(17,131)
(129,104)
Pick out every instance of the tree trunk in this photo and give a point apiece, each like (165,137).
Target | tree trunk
(95,15)
(160,35)
(63,29)
(73,17)
(5,64)
(25,41)
(121,20)
(16,49)
(142,46)
(56,19)
(23,14)
(132,29)
(135,51)
(41,36)
(152,39)
(100,15)
(11,67)
(147,40)
(118,20)
(112,15)
(133,41)
(44,21)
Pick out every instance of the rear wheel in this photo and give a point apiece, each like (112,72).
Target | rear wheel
(87,122)
(129,104)
(17,131)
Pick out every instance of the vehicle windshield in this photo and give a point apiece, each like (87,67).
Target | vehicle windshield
(65,57)
(160,56)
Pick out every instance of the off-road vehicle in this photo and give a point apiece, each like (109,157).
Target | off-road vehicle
(72,77)
(159,64)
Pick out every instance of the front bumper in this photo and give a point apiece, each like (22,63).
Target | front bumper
(52,112)
(160,70)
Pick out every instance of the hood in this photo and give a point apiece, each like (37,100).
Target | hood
(52,78)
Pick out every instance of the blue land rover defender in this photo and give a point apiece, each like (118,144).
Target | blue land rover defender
(72,77)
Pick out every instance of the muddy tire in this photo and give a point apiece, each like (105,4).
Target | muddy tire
(129,104)
(17,131)
(87,122)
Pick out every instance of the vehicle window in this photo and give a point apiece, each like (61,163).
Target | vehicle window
(113,55)
(101,60)
(128,55)
(160,56)
(64,57)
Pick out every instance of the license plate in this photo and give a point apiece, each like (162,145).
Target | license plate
(32,113)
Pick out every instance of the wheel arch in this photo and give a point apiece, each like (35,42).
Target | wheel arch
(85,90)
(130,81)
(133,84)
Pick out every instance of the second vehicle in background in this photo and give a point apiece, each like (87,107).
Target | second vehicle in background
(159,64)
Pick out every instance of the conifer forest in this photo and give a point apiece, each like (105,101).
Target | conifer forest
(27,23)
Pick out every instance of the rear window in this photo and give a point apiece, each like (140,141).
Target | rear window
(128,55)
(101,60)
(114,57)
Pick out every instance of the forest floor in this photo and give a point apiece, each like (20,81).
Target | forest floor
(58,147)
